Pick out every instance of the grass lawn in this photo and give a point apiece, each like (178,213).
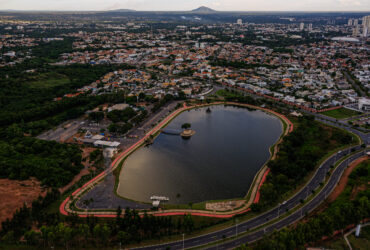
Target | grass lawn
(362,242)
(340,113)
(337,243)
(48,80)
(224,93)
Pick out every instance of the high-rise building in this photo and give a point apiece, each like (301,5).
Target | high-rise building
(355,22)
(356,30)
(365,32)
(310,27)
(350,22)
(365,25)
(239,21)
(301,26)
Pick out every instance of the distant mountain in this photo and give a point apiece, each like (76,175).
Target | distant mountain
(203,9)
(122,10)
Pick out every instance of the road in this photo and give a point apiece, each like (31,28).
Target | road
(365,137)
(313,184)
(354,84)
(63,131)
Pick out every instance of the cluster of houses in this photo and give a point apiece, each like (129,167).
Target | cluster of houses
(189,58)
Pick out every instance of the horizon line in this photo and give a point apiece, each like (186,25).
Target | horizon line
(205,12)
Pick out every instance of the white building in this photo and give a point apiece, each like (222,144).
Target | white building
(365,25)
(239,21)
(365,32)
(301,26)
(350,22)
(364,104)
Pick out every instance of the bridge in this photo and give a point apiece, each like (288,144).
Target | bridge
(171,131)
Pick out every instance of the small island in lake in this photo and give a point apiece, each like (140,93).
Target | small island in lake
(187,133)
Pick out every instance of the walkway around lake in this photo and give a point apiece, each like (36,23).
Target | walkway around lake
(65,207)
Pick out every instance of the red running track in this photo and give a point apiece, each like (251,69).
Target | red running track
(256,199)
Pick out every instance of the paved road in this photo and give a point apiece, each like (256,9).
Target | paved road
(313,184)
(63,131)
(332,121)
(354,84)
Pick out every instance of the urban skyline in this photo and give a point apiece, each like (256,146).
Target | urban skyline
(165,5)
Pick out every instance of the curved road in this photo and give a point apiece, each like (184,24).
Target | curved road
(313,184)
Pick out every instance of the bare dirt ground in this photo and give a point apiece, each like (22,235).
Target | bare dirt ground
(85,171)
(344,179)
(224,206)
(13,194)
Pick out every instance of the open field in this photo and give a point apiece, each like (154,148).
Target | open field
(341,113)
(48,80)
(14,194)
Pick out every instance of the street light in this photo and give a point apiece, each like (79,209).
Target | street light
(183,241)
(236,228)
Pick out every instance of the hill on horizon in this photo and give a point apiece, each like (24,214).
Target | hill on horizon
(203,9)
(122,10)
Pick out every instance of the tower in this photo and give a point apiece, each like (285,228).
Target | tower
(310,27)
(355,30)
(365,25)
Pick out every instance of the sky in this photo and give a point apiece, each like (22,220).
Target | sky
(175,5)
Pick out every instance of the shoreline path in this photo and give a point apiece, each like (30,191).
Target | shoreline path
(65,208)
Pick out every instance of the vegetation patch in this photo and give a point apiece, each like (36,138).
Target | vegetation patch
(344,211)
(341,113)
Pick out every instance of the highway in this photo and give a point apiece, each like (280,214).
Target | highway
(313,184)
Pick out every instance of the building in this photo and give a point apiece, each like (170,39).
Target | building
(301,26)
(365,32)
(364,104)
(355,22)
(239,21)
(365,25)
(350,22)
(310,27)
(120,106)
(355,30)
(106,144)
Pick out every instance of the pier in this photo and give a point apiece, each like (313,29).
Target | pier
(171,131)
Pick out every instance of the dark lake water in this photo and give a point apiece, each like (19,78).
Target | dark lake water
(230,146)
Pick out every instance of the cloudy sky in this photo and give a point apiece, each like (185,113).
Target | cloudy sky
(226,5)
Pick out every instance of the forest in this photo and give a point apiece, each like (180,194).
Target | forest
(298,155)
(75,232)
(28,107)
(52,163)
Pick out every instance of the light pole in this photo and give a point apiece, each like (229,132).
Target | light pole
(279,209)
(236,228)
(183,241)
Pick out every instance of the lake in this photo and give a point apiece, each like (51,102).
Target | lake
(230,146)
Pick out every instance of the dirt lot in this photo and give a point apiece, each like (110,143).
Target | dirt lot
(13,194)
(344,179)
